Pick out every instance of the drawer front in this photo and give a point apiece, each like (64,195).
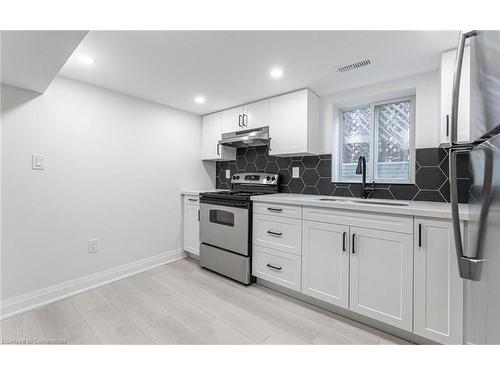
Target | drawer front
(277,267)
(192,199)
(278,233)
(283,210)
(387,222)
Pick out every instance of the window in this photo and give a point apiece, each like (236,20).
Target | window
(382,133)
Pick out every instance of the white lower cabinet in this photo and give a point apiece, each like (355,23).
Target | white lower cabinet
(276,266)
(406,276)
(277,245)
(191,226)
(438,312)
(280,233)
(325,262)
(381,276)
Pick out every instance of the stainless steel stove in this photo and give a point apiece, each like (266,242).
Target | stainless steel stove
(226,225)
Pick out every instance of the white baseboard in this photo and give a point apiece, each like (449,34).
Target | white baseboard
(29,301)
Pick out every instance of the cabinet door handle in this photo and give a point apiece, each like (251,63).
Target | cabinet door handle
(192,200)
(269,147)
(198,215)
(274,233)
(447,125)
(245,123)
(419,235)
(344,235)
(353,237)
(275,209)
(218,149)
(277,268)
(239,121)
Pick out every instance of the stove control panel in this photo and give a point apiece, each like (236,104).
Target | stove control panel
(255,178)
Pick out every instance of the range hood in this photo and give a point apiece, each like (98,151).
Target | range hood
(246,138)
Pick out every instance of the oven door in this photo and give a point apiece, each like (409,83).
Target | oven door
(225,227)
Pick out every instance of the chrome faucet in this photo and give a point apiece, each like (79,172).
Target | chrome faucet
(361,169)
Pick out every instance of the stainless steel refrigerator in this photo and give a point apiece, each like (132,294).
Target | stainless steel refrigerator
(478,246)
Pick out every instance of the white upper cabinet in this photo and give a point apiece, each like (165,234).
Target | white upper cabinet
(248,116)
(438,287)
(232,120)
(210,135)
(294,123)
(447,69)
(381,276)
(256,115)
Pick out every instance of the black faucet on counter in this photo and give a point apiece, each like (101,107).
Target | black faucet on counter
(361,169)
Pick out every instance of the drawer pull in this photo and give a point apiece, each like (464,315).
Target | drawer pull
(192,200)
(275,209)
(277,268)
(274,233)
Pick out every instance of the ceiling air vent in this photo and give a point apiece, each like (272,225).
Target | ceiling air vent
(356,65)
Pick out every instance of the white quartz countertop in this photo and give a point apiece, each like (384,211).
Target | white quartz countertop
(198,192)
(413,208)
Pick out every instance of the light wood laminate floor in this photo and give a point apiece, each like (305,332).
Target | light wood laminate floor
(180,303)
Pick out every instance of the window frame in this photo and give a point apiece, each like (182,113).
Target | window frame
(373,140)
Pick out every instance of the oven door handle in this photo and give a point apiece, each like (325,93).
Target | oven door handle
(211,202)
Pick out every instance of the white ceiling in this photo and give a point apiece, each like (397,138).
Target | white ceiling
(232,67)
(31,59)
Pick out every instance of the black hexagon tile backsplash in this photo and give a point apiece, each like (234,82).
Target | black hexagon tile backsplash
(431,178)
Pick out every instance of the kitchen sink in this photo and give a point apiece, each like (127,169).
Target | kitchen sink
(400,204)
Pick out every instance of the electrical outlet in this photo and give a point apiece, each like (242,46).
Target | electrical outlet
(228,173)
(93,246)
(295,172)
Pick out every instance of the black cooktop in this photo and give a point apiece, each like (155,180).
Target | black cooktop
(245,185)
(234,194)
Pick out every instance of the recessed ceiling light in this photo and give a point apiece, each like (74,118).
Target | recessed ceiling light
(87,60)
(199,99)
(276,73)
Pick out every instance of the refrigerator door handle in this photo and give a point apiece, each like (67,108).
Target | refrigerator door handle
(456,85)
(470,267)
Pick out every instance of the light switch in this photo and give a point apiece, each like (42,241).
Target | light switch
(228,173)
(295,172)
(37,161)
(93,246)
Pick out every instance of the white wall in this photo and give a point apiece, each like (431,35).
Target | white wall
(115,166)
(425,86)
